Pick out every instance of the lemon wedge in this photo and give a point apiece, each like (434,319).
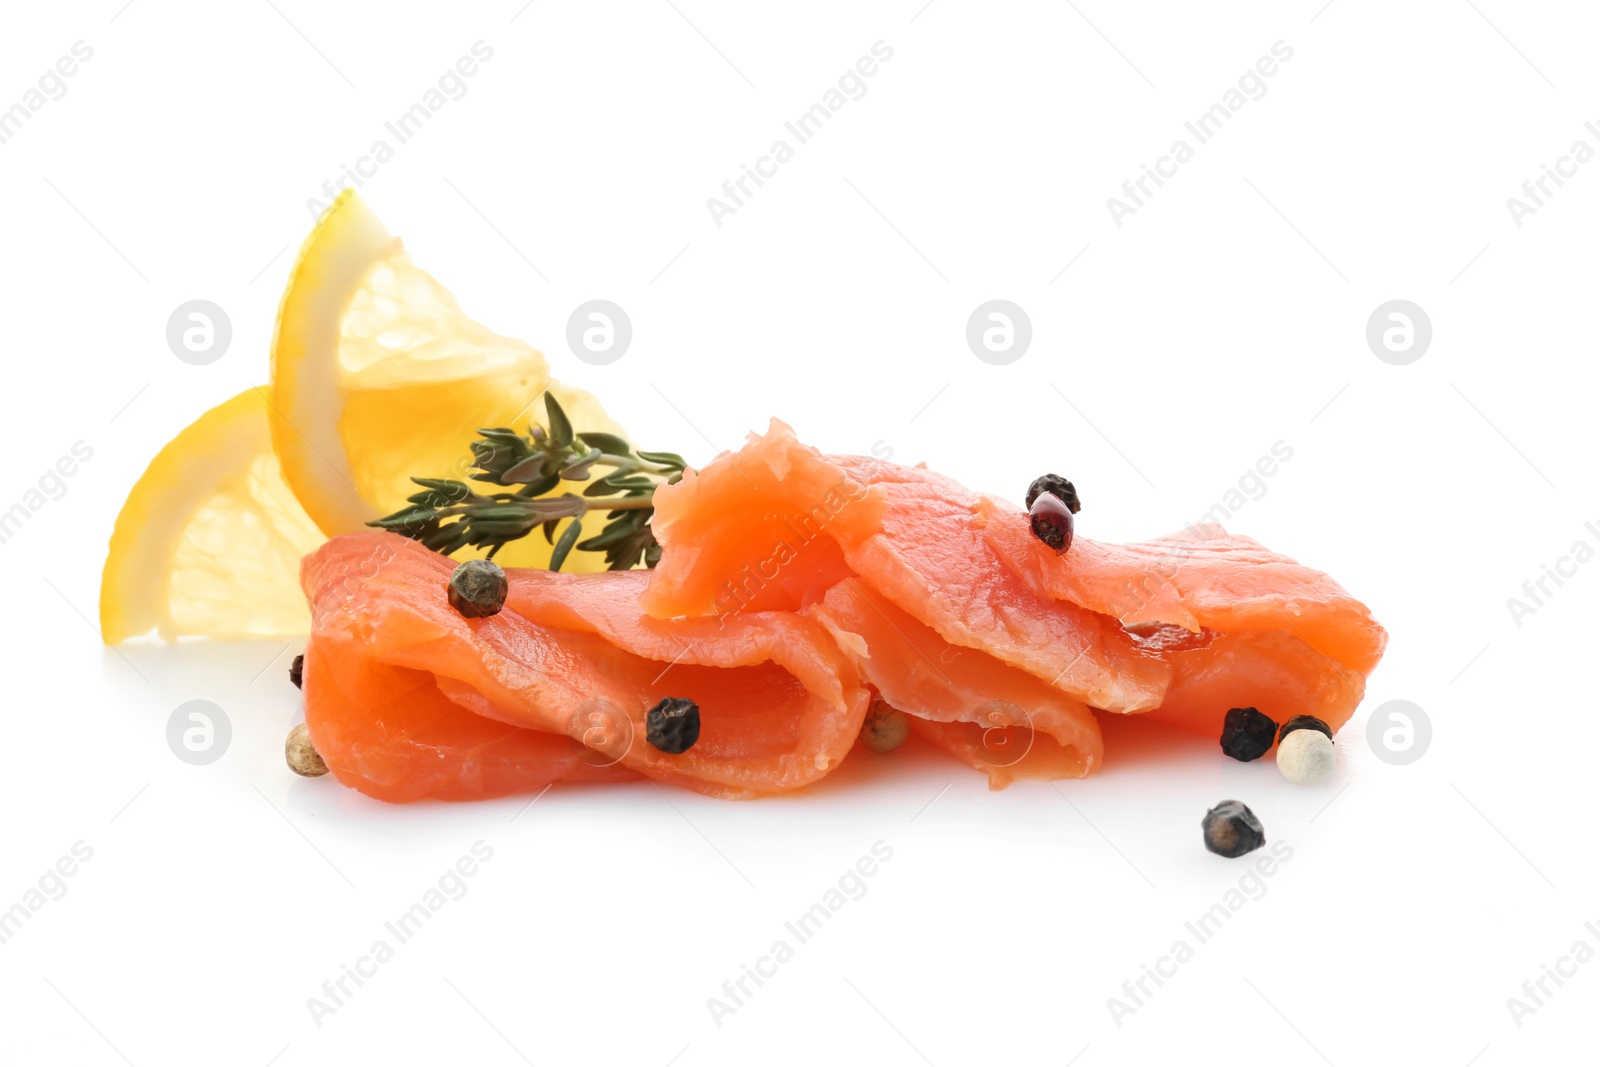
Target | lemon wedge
(379,376)
(210,539)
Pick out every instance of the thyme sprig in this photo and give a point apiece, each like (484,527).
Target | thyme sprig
(449,515)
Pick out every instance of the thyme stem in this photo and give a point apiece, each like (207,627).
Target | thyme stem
(529,471)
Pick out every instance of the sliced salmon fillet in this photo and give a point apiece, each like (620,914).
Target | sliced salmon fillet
(558,683)
(1001,720)
(389,732)
(788,523)
(790,583)
(1275,672)
(1201,578)
(1241,625)
(1184,627)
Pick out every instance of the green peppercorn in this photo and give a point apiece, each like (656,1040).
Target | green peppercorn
(478,588)
(885,728)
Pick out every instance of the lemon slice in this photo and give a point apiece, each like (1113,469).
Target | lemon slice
(379,376)
(210,539)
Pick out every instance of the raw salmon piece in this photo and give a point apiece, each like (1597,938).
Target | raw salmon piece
(1191,624)
(572,655)
(999,715)
(776,524)
(391,733)
(1241,625)
(1203,577)
(1274,672)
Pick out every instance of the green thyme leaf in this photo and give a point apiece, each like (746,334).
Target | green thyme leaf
(524,470)
(560,427)
(569,537)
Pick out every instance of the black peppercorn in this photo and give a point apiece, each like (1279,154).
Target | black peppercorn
(1247,734)
(1051,521)
(1231,830)
(673,725)
(1057,487)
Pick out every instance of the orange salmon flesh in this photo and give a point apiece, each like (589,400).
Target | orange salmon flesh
(793,588)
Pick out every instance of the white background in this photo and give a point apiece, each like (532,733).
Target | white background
(1226,315)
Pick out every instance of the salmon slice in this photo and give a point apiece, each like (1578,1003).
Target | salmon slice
(389,732)
(1202,578)
(1241,625)
(788,523)
(1185,626)
(1275,672)
(563,677)
(790,581)
(1002,720)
